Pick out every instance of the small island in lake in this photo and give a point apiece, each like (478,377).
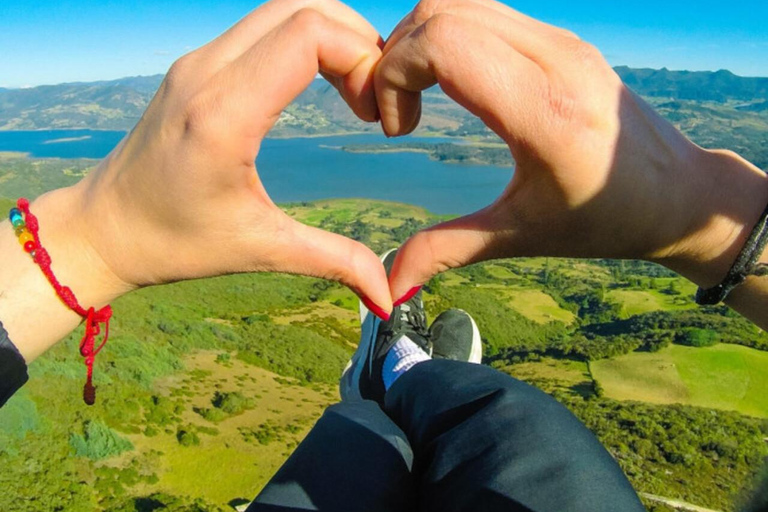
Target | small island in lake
(68,139)
(493,154)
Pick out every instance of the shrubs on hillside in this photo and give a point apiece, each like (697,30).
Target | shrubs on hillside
(677,451)
(698,338)
(98,441)
(225,405)
(505,331)
(293,351)
(187,436)
(698,327)
(166,503)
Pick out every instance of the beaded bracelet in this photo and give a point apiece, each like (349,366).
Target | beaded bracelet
(26,227)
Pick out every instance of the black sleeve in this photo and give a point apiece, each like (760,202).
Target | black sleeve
(13,368)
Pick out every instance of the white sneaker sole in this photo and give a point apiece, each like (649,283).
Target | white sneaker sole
(476,353)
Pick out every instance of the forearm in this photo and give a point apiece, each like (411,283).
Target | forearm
(32,313)
(726,196)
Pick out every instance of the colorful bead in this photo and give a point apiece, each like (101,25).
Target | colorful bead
(30,247)
(20,230)
(15,212)
(18,222)
(25,237)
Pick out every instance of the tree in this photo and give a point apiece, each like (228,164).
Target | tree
(699,338)
(673,288)
(98,442)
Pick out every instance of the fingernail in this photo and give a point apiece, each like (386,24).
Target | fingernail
(375,309)
(408,296)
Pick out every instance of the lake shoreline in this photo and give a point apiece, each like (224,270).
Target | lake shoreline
(466,153)
(299,169)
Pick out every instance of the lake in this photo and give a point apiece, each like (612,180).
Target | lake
(302,170)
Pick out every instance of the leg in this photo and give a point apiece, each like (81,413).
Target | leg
(482,441)
(485,442)
(354,460)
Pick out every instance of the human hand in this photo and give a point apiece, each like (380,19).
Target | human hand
(180,197)
(599,173)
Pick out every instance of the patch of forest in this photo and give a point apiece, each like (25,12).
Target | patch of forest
(304,330)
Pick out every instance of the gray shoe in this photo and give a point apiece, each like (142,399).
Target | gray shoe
(454,335)
(362,379)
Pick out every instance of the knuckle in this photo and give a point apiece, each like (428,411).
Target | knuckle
(560,101)
(319,4)
(585,53)
(425,9)
(347,269)
(726,153)
(441,28)
(440,262)
(568,34)
(179,71)
(307,20)
(347,273)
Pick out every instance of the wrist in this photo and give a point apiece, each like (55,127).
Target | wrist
(724,198)
(32,313)
(65,230)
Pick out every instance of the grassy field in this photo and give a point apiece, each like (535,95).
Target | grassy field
(563,371)
(725,377)
(537,306)
(636,302)
(347,210)
(207,470)
(166,342)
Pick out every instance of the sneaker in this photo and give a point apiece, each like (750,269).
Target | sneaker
(454,335)
(362,379)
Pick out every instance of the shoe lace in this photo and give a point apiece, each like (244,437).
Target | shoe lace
(416,324)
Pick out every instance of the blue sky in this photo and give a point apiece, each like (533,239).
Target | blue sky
(53,41)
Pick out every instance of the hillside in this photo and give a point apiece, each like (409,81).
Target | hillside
(206,386)
(114,105)
(719,86)
(119,104)
(717,109)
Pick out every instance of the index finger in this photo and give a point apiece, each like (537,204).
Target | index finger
(426,9)
(248,31)
(475,67)
(252,91)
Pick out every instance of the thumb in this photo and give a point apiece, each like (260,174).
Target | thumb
(449,245)
(314,252)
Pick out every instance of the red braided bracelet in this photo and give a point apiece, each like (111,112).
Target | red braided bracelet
(26,227)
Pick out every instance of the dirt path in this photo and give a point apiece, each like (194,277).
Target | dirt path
(676,504)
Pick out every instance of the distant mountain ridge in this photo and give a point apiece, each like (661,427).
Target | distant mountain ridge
(119,104)
(719,86)
(107,105)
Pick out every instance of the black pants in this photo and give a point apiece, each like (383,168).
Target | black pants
(451,437)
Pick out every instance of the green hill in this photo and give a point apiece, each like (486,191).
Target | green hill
(719,86)
(230,373)
(717,109)
(722,377)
